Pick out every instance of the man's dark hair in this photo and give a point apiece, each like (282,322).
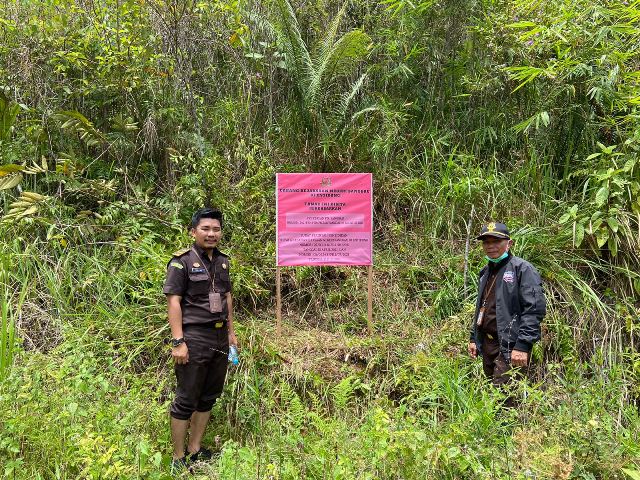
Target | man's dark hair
(206,213)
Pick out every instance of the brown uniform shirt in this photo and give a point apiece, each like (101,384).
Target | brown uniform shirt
(187,276)
(489,323)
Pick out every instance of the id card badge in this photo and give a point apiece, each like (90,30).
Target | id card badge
(215,302)
(480,316)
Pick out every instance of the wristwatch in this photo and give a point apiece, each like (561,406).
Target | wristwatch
(177,341)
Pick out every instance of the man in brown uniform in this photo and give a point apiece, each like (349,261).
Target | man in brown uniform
(509,308)
(200,308)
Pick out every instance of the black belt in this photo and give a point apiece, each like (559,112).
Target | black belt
(214,324)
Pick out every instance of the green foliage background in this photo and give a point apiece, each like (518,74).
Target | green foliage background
(119,117)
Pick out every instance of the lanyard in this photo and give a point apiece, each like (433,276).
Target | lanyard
(487,292)
(213,286)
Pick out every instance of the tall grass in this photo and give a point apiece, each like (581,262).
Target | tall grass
(12,297)
(408,397)
(7,334)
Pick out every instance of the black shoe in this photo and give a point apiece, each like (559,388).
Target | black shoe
(202,455)
(178,464)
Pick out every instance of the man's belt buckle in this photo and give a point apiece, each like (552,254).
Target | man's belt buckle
(489,336)
(219,324)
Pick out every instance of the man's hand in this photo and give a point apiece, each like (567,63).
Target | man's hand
(180,354)
(232,338)
(473,349)
(519,359)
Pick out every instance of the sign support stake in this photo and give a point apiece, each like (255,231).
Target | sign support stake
(370,299)
(278,304)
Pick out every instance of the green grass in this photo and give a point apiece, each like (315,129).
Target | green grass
(323,400)
(7,336)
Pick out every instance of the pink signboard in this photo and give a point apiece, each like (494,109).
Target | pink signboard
(324,219)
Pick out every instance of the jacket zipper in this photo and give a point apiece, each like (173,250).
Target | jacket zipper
(513,319)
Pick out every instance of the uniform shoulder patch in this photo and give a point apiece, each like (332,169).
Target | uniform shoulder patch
(179,253)
(175,264)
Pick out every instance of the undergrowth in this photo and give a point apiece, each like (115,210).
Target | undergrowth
(88,394)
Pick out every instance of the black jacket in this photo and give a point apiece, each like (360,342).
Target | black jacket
(520,306)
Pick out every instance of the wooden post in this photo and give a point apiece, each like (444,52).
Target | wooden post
(278,304)
(466,249)
(370,299)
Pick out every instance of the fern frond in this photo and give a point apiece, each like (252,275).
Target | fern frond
(342,392)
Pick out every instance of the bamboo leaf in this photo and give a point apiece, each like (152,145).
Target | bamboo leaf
(20,204)
(29,211)
(523,24)
(612,243)
(524,75)
(78,123)
(579,234)
(32,196)
(633,474)
(8,114)
(10,168)
(10,181)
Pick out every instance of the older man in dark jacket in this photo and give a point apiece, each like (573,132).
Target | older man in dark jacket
(509,308)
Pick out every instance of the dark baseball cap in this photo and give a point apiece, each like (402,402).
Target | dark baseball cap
(494,229)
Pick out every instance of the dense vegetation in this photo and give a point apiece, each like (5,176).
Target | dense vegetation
(119,117)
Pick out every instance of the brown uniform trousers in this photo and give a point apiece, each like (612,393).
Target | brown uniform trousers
(501,373)
(200,382)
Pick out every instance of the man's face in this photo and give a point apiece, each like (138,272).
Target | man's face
(494,247)
(208,233)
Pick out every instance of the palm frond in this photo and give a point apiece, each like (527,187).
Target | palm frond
(338,60)
(346,100)
(287,29)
